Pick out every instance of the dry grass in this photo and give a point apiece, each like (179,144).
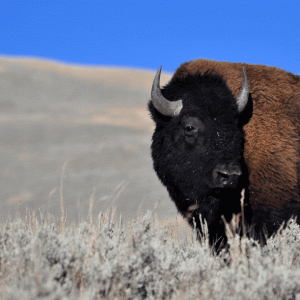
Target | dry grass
(41,258)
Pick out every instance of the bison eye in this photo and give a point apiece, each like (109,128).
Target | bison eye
(191,125)
(191,129)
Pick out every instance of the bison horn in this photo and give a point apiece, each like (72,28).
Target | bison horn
(164,106)
(242,98)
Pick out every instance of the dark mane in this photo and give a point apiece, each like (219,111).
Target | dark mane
(207,92)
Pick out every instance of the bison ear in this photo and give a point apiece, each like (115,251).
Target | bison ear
(156,116)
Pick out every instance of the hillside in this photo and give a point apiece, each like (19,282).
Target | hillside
(70,134)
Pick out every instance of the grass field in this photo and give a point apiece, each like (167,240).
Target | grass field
(42,258)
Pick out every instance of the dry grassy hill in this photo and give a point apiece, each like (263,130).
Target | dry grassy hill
(76,135)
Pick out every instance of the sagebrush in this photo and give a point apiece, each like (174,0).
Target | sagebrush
(144,259)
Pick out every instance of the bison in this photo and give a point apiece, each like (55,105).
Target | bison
(226,127)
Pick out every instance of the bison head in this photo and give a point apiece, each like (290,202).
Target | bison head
(197,146)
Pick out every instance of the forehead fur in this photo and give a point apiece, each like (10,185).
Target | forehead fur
(206,92)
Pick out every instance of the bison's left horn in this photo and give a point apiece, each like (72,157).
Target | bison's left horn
(242,98)
(164,106)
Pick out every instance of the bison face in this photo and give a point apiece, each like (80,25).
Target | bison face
(197,145)
(201,143)
(198,155)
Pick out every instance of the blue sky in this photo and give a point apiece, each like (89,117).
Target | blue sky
(146,34)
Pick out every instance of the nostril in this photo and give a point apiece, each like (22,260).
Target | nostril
(227,176)
(224,178)
(223,175)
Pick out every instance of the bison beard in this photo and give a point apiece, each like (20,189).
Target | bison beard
(201,153)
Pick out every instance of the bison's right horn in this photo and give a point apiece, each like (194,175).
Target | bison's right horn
(164,106)
(242,98)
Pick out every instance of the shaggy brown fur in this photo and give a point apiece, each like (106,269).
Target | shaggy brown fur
(272,136)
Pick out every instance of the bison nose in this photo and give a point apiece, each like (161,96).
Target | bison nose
(226,175)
